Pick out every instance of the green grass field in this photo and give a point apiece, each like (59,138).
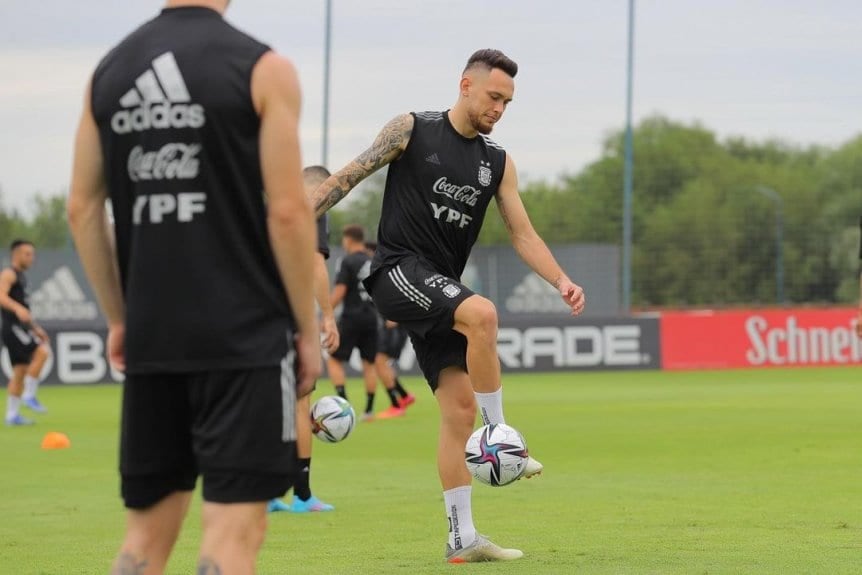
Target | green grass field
(696,473)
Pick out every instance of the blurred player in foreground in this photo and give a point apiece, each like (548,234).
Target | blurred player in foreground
(204,285)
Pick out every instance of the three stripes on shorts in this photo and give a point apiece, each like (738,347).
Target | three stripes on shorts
(396,276)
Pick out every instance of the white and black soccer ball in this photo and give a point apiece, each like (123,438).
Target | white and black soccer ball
(332,419)
(496,454)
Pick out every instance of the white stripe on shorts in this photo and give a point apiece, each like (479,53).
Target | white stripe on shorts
(410,292)
(288,396)
(23,336)
(411,287)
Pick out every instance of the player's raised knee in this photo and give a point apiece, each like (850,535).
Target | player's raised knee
(478,315)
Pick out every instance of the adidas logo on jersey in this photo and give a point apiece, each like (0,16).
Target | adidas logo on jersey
(60,298)
(159,100)
(433,159)
(534,294)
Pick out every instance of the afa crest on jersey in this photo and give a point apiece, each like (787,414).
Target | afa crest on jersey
(451,291)
(485,173)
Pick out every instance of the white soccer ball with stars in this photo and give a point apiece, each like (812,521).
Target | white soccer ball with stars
(496,454)
(332,419)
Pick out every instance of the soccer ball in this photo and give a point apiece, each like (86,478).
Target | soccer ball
(332,419)
(496,454)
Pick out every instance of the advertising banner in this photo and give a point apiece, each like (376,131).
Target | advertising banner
(77,356)
(759,338)
(524,344)
(561,343)
(542,343)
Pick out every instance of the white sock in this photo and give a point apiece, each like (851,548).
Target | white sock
(491,406)
(31,386)
(460,514)
(13,403)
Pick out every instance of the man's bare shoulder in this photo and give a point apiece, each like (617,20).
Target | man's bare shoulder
(390,142)
(401,126)
(274,75)
(273,63)
(7,278)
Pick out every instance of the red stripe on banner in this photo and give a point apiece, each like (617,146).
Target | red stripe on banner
(759,338)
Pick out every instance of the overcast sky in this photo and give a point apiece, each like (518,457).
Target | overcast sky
(790,69)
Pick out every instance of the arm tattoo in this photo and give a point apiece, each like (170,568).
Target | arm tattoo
(388,143)
(128,564)
(344,181)
(386,148)
(208,566)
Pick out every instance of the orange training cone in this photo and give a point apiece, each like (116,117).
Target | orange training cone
(55,440)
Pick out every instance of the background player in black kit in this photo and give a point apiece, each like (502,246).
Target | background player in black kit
(204,286)
(303,500)
(357,324)
(391,339)
(24,340)
(443,172)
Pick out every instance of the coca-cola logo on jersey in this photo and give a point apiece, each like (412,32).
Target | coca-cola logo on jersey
(173,161)
(464,194)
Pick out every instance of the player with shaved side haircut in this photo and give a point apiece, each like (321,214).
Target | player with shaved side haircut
(444,171)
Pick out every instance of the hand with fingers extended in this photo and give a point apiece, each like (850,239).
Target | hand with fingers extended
(41,334)
(573,295)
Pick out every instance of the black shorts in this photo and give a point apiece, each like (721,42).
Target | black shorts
(357,333)
(21,343)
(235,428)
(424,303)
(436,353)
(391,341)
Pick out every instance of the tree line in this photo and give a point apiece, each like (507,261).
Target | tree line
(705,216)
(46,227)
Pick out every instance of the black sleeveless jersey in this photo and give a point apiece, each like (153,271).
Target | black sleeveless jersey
(18,293)
(352,271)
(436,195)
(179,137)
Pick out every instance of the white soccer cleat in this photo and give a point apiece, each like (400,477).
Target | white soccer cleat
(533,468)
(481,550)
